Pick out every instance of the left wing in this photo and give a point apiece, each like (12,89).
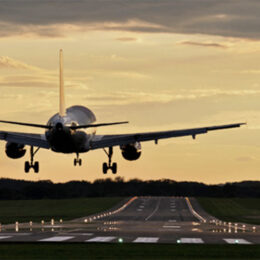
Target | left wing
(36,140)
(102,141)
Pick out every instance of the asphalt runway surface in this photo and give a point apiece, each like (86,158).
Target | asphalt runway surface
(139,220)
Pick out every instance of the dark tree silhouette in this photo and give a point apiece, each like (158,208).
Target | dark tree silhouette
(21,189)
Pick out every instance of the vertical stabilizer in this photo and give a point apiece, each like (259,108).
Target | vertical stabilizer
(62,98)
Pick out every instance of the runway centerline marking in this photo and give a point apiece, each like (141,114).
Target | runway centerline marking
(56,239)
(100,239)
(169,226)
(146,240)
(157,207)
(187,240)
(237,241)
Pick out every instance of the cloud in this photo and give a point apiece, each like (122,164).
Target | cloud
(27,81)
(7,62)
(204,44)
(250,72)
(228,18)
(120,98)
(127,39)
(38,81)
(245,158)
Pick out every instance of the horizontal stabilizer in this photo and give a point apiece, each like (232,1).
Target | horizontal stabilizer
(97,125)
(25,124)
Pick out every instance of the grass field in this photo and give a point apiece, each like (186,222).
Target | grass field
(233,209)
(37,210)
(127,251)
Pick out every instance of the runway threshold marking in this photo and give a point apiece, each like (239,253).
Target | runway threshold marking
(56,239)
(157,207)
(78,234)
(146,240)
(101,239)
(237,241)
(187,240)
(4,237)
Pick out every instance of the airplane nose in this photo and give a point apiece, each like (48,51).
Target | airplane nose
(59,126)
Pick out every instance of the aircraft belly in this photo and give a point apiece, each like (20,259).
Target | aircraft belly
(69,143)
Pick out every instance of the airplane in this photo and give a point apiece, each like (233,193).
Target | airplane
(64,134)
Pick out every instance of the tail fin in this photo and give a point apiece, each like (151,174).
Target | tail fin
(62,111)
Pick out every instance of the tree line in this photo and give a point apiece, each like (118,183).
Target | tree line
(21,189)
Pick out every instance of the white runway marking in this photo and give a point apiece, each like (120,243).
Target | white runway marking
(56,239)
(172,220)
(169,226)
(15,234)
(237,241)
(4,237)
(101,239)
(146,240)
(173,210)
(157,207)
(77,234)
(139,209)
(186,240)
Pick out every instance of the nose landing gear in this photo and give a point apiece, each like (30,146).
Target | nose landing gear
(77,160)
(109,165)
(35,165)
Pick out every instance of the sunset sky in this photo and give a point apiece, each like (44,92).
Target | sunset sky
(162,65)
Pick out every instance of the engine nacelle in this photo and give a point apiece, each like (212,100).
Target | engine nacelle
(131,152)
(14,150)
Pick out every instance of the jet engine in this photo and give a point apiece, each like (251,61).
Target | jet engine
(14,150)
(131,152)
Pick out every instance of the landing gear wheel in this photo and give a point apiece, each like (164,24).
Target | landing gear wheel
(26,166)
(109,165)
(77,160)
(105,168)
(114,168)
(36,167)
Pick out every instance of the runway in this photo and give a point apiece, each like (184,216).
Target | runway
(139,220)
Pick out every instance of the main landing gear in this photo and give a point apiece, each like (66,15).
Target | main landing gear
(28,165)
(109,165)
(77,160)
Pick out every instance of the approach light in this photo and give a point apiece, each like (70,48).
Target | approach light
(178,241)
(120,240)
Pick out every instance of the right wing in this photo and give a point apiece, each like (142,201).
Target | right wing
(37,140)
(103,141)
